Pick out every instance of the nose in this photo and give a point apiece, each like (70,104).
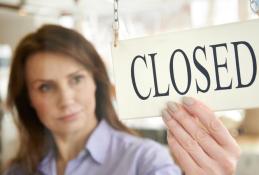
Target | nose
(66,96)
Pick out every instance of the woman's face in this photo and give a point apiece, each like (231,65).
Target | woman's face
(62,92)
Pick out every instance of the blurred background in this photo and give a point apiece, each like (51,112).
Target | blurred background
(137,18)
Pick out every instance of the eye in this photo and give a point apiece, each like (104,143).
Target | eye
(77,79)
(45,88)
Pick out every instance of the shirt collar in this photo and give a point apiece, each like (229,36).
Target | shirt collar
(46,165)
(99,141)
(97,145)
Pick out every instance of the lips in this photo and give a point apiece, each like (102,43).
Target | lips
(70,117)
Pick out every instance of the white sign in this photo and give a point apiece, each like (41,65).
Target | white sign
(217,65)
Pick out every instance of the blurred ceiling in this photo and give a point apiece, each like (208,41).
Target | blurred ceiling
(86,7)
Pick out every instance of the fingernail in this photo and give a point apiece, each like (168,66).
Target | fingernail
(173,106)
(166,115)
(188,101)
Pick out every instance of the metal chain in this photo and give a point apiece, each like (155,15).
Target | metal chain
(254,4)
(115,25)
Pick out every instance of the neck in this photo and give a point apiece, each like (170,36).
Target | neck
(70,144)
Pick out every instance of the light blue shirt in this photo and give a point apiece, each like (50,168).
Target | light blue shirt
(112,152)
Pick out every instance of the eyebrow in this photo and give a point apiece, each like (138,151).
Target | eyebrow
(74,73)
(46,80)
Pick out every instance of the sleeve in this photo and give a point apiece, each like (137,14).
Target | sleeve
(155,159)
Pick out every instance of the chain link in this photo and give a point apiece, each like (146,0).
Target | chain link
(254,4)
(115,25)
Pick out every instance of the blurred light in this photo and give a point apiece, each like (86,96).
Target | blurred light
(66,21)
(5,51)
(5,57)
(199,13)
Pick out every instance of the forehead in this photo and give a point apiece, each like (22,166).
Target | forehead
(51,66)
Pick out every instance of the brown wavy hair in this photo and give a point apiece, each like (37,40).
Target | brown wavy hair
(33,134)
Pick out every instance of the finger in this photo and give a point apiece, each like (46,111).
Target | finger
(184,160)
(208,144)
(187,142)
(209,120)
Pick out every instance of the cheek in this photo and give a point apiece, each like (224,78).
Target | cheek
(87,96)
(43,107)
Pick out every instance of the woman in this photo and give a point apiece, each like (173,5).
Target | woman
(67,124)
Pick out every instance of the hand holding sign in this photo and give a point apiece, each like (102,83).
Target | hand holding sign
(198,140)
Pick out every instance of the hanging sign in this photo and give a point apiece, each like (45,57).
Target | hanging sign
(217,65)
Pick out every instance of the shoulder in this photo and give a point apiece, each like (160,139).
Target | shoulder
(143,145)
(149,156)
(17,169)
(123,140)
(14,169)
(131,142)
